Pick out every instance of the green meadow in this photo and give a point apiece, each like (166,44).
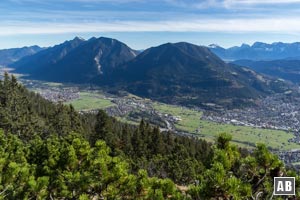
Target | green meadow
(90,101)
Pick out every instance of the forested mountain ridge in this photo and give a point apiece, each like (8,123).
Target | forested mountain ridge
(74,156)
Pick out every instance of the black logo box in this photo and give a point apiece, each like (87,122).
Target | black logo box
(284,185)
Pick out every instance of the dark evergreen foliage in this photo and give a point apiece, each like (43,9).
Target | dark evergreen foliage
(49,151)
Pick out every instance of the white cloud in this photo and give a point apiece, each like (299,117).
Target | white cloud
(262,1)
(85,21)
(250,3)
(270,25)
(240,4)
(81,1)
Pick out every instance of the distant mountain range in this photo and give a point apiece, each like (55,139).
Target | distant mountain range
(259,51)
(8,56)
(179,73)
(285,69)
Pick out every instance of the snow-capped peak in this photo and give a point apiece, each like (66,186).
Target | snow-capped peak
(213,46)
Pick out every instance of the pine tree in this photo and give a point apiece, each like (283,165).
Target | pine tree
(157,145)
(103,129)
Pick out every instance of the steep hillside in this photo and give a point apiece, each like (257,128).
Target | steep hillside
(285,69)
(46,58)
(191,75)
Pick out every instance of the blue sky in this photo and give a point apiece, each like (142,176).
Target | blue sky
(145,23)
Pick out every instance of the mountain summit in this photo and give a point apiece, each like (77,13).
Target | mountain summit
(77,60)
(188,74)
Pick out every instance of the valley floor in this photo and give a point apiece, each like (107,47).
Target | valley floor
(275,120)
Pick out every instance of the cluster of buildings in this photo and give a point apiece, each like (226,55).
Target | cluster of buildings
(274,112)
(125,106)
(60,95)
(279,112)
